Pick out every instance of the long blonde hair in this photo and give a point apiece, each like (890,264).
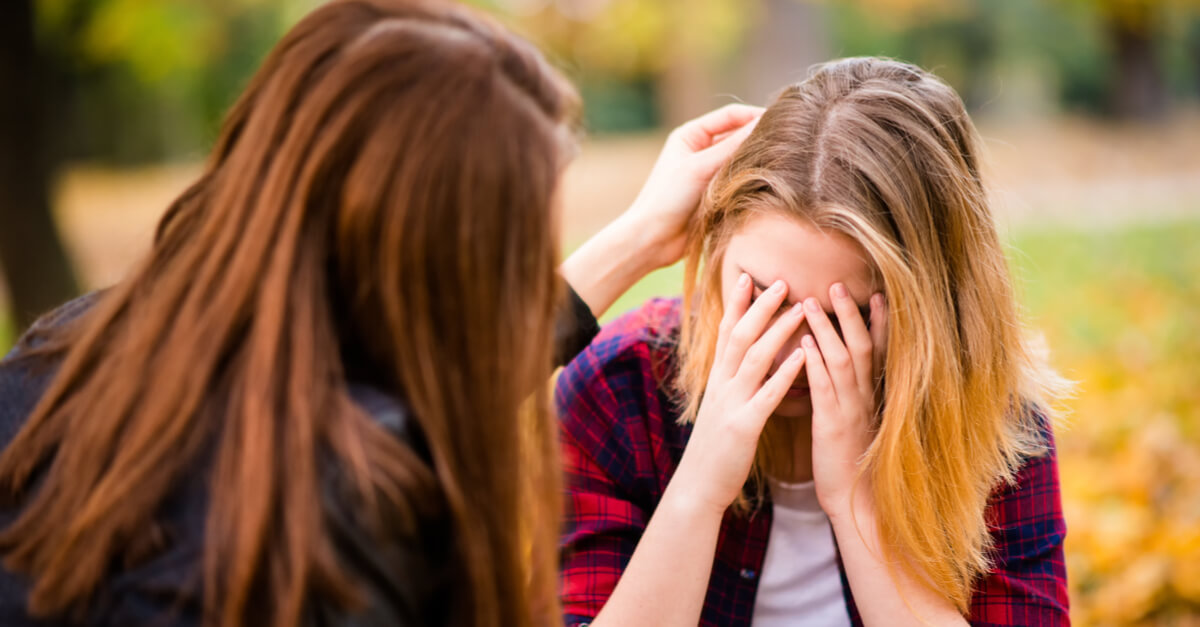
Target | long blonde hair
(885,153)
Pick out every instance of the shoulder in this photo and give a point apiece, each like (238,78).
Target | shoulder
(52,322)
(25,373)
(1027,584)
(614,400)
(1026,515)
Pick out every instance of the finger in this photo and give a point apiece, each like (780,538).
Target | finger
(698,134)
(739,302)
(879,334)
(751,326)
(856,337)
(762,353)
(768,397)
(712,158)
(820,387)
(833,352)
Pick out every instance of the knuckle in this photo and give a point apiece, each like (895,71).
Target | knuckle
(766,401)
(740,336)
(754,360)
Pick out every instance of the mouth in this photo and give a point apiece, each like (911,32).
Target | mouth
(797,391)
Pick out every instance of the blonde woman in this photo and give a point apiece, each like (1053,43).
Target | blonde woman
(841,422)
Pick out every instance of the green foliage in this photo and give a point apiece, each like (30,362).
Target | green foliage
(984,49)
(154,38)
(630,38)
(619,105)
(618,51)
(146,80)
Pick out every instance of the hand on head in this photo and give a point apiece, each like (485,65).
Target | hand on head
(691,156)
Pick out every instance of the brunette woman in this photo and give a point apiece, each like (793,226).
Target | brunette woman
(319,400)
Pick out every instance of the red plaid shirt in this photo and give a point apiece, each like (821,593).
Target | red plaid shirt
(621,445)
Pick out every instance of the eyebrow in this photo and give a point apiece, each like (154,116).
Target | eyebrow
(864,310)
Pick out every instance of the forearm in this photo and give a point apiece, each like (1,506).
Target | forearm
(884,597)
(610,263)
(667,577)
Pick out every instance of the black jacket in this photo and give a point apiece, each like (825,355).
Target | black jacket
(403,584)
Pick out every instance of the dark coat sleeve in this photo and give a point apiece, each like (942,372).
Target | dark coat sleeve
(574,329)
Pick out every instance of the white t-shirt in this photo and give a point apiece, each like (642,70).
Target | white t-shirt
(800,582)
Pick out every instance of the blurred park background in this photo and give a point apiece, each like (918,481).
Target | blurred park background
(1090,110)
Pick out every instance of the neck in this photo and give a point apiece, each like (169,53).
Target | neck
(790,443)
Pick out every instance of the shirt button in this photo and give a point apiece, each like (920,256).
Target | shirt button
(747,573)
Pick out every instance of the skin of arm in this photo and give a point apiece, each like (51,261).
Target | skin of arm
(611,261)
(884,599)
(673,560)
(651,233)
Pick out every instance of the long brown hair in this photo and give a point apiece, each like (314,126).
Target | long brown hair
(885,153)
(380,201)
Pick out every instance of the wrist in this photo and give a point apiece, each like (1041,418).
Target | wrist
(690,502)
(608,264)
(857,504)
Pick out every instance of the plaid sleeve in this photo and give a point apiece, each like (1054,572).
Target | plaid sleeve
(1028,584)
(602,531)
(609,455)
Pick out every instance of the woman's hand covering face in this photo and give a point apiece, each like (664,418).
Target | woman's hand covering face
(845,381)
(740,396)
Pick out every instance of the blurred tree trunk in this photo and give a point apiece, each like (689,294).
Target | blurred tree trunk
(1140,91)
(32,258)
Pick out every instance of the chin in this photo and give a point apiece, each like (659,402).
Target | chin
(794,408)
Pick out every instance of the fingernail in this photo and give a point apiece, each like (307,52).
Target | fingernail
(877,299)
(809,342)
(839,290)
(812,305)
(743,280)
(797,309)
(778,286)
(796,355)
